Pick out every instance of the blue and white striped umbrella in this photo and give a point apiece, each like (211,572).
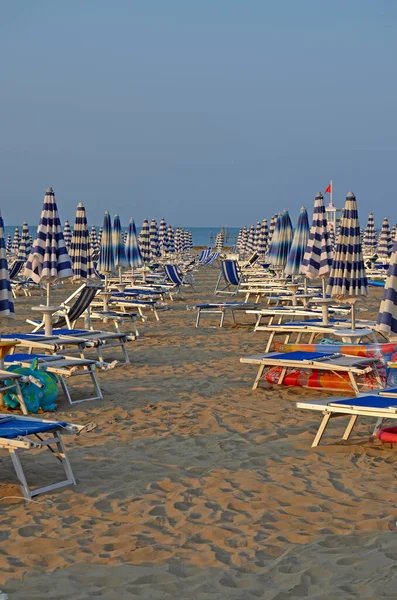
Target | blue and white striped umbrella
(80,249)
(317,260)
(331,235)
(385,243)
(155,252)
(387,317)
(125,234)
(106,256)
(393,233)
(163,235)
(100,234)
(281,241)
(239,240)
(244,240)
(67,234)
(347,280)
(219,241)
(257,235)
(25,245)
(49,259)
(170,240)
(120,259)
(251,244)
(263,239)
(16,240)
(272,226)
(7,310)
(132,251)
(298,245)
(178,241)
(144,241)
(9,244)
(94,244)
(189,239)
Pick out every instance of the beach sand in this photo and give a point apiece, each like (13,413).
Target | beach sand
(195,486)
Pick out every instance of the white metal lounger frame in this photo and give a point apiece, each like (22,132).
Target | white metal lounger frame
(330,411)
(220,309)
(335,363)
(15,378)
(24,443)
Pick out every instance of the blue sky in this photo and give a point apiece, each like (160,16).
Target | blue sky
(210,112)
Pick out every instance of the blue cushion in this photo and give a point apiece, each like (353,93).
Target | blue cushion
(11,428)
(366,401)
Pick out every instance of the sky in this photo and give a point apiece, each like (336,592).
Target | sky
(210,112)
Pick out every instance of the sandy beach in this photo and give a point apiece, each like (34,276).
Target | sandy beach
(195,486)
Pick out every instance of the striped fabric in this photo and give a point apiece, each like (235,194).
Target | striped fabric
(106,256)
(67,234)
(257,235)
(16,240)
(173,274)
(49,259)
(163,235)
(80,249)
(385,244)
(189,240)
(6,301)
(132,251)
(261,247)
(100,234)
(178,241)
(144,241)
(272,227)
(347,278)
(120,259)
(281,241)
(170,240)
(331,235)
(387,317)
(244,240)
(251,244)
(299,244)
(24,246)
(9,244)
(219,241)
(94,244)
(317,259)
(155,252)
(230,272)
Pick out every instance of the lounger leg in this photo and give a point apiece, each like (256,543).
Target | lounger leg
(282,375)
(258,377)
(353,383)
(348,430)
(63,458)
(65,388)
(222,318)
(20,474)
(125,353)
(270,341)
(96,384)
(233,317)
(377,426)
(321,430)
(198,318)
(21,398)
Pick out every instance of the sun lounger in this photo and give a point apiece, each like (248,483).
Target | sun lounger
(21,434)
(378,406)
(221,308)
(314,361)
(63,367)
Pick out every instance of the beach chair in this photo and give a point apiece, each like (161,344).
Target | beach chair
(204,255)
(229,278)
(379,406)
(221,308)
(21,434)
(315,361)
(63,367)
(178,280)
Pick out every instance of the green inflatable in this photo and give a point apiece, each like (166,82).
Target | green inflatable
(39,389)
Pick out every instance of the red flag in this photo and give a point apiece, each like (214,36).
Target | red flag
(328,190)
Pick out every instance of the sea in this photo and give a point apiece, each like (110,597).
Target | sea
(202,236)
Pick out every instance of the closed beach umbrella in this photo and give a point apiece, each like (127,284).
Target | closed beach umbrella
(298,245)
(163,235)
(263,239)
(155,252)
(331,235)
(120,259)
(16,240)
(6,301)
(281,241)
(80,249)
(178,241)
(24,246)
(348,281)
(106,264)
(244,240)
(133,254)
(385,243)
(144,241)
(67,234)
(251,239)
(272,226)
(49,260)
(387,317)
(189,240)
(317,260)
(170,240)
(100,233)
(9,243)
(257,235)
(94,244)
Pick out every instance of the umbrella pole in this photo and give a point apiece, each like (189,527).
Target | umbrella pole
(353,315)
(323,285)
(132,276)
(120,276)
(48,293)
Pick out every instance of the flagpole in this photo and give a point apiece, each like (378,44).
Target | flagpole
(331,191)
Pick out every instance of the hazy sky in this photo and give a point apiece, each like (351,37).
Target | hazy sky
(207,112)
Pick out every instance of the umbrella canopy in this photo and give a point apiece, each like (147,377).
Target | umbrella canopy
(251,243)
(94,244)
(219,241)
(6,301)
(67,234)
(385,244)
(272,227)
(257,235)
(24,246)
(133,254)
(100,233)
(298,245)
(155,252)
(49,259)
(281,241)
(244,240)
(163,235)
(331,235)
(9,243)
(144,241)
(317,259)
(347,279)
(170,240)
(106,256)
(16,240)
(80,249)
(387,317)
(261,247)
(178,241)
(120,259)
(189,239)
